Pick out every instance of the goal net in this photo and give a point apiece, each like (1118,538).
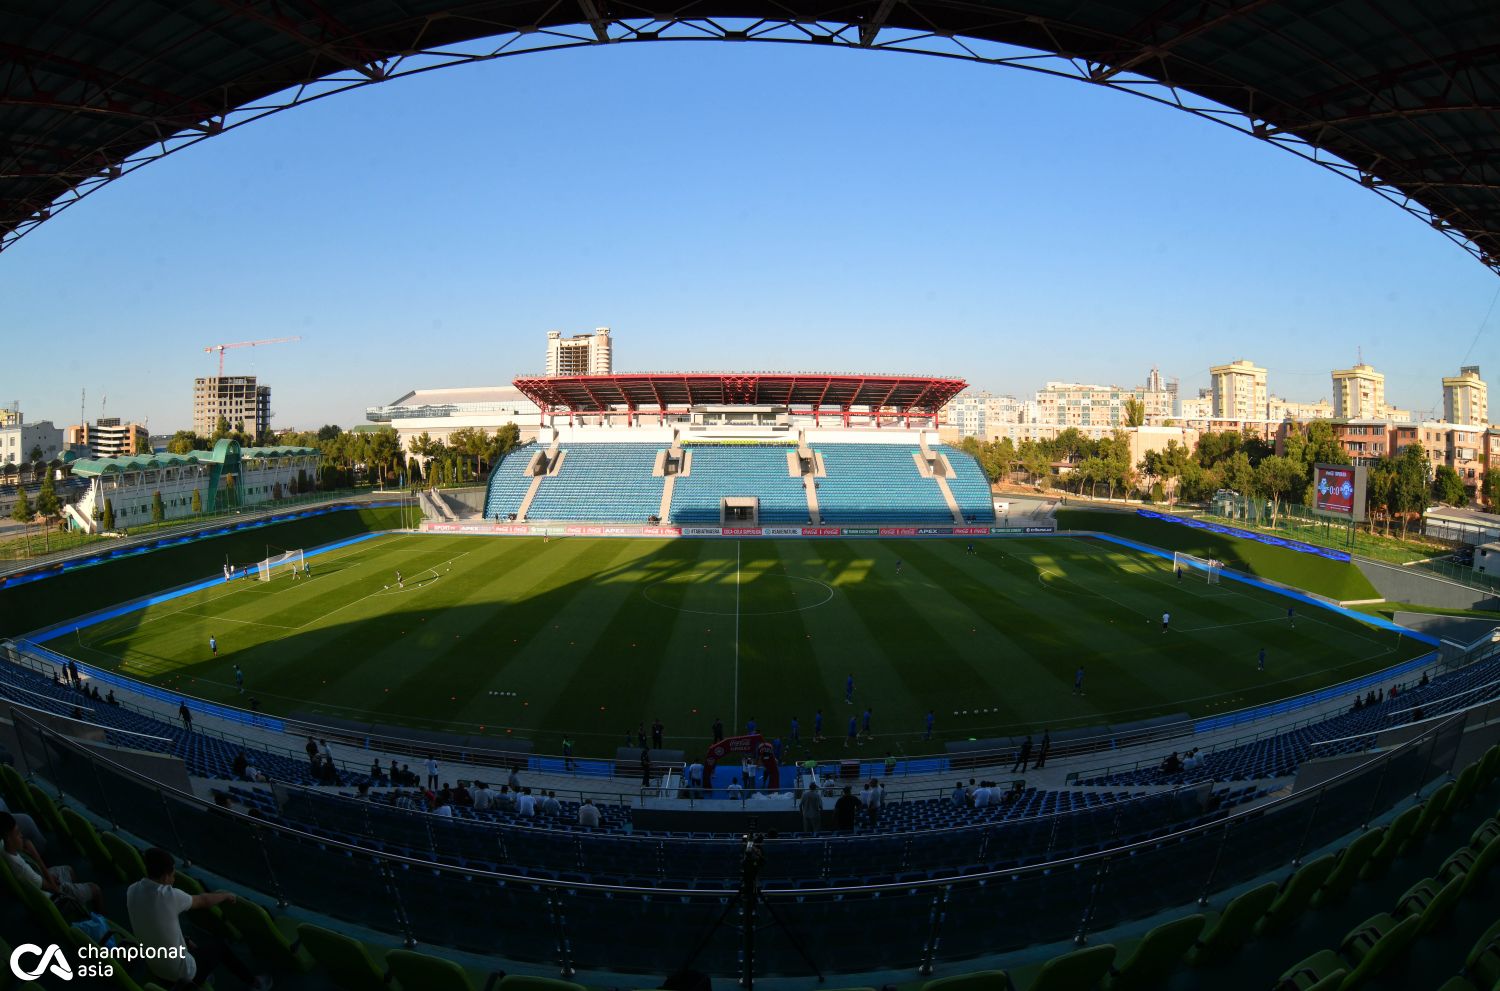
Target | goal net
(1192,566)
(278,564)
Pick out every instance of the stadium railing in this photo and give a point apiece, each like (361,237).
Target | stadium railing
(576,922)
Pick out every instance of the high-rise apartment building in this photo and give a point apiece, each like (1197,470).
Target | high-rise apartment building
(1239,391)
(582,354)
(107,437)
(1466,397)
(237,398)
(1358,393)
(1289,409)
(973,413)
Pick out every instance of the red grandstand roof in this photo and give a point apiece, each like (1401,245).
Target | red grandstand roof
(663,390)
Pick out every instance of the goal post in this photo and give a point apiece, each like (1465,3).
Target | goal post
(279,564)
(1190,565)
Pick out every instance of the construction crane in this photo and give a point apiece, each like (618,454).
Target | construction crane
(221,348)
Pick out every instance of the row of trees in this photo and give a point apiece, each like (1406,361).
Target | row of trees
(1399,487)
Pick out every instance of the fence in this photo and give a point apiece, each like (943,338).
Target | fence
(528,913)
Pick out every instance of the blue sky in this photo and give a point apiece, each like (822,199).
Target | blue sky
(728,207)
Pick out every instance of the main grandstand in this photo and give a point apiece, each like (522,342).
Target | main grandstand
(745,451)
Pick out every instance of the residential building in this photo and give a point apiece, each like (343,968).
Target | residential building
(1074,404)
(1466,397)
(1365,441)
(974,413)
(439,412)
(236,398)
(1288,409)
(1199,408)
(1358,393)
(19,440)
(107,437)
(1239,391)
(582,354)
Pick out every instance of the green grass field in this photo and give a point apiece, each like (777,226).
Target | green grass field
(590,637)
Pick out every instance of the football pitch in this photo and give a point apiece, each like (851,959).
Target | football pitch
(589,638)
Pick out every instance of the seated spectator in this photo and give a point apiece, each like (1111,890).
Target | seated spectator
(734,788)
(506,800)
(1193,760)
(1423,682)
(588,814)
(240,765)
(526,804)
(969,791)
(1359,703)
(377,776)
(110,698)
(445,795)
(443,809)
(155,907)
(960,797)
(94,694)
(484,799)
(550,805)
(461,795)
(27,865)
(27,824)
(1394,690)
(1172,764)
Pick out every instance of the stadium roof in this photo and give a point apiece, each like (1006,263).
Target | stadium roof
(148,462)
(675,390)
(1402,96)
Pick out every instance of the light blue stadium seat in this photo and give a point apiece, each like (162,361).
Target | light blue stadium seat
(601,482)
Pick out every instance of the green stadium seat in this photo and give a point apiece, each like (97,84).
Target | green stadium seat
(428,973)
(1296,894)
(211,918)
(1435,811)
(1318,970)
(1464,788)
(345,961)
(1234,926)
(1431,815)
(1482,966)
(1480,868)
(86,840)
(1485,832)
(1346,871)
(521,982)
(1392,842)
(1489,766)
(265,940)
(980,980)
(127,861)
(17,792)
(1080,970)
(1157,956)
(1457,984)
(46,814)
(1429,911)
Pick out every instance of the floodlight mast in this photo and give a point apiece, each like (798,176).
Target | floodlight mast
(221,348)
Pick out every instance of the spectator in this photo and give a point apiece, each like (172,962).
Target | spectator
(1423,682)
(1171,764)
(110,698)
(1024,757)
(432,772)
(506,800)
(27,865)
(312,755)
(960,797)
(812,809)
(526,804)
(514,781)
(876,803)
(1043,750)
(155,906)
(845,809)
(982,795)
(645,768)
(969,791)
(588,814)
(27,824)
(444,807)
(377,776)
(734,788)
(550,805)
(484,799)
(657,731)
(240,765)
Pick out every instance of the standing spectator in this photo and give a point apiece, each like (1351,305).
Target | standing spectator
(514,780)
(526,803)
(550,805)
(640,736)
(734,788)
(185,716)
(657,729)
(959,798)
(1046,747)
(877,802)
(27,865)
(845,809)
(377,775)
(1023,758)
(155,905)
(432,772)
(588,814)
(645,768)
(812,809)
(73,673)
(312,754)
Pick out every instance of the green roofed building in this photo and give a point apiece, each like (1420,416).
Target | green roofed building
(227,477)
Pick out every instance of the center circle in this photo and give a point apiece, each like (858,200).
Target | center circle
(672,593)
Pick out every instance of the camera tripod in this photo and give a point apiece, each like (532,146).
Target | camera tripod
(747,901)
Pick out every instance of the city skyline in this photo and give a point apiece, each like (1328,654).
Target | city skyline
(405,266)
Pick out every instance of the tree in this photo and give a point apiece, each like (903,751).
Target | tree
(1034,459)
(109,515)
(1278,478)
(1490,488)
(413,471)
(328,431)
(158,510)
(1135,413)
(1239,474)
(183,442)
(197,502)
(1410,491)
(1447,487)
(22,513)
(47,503)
